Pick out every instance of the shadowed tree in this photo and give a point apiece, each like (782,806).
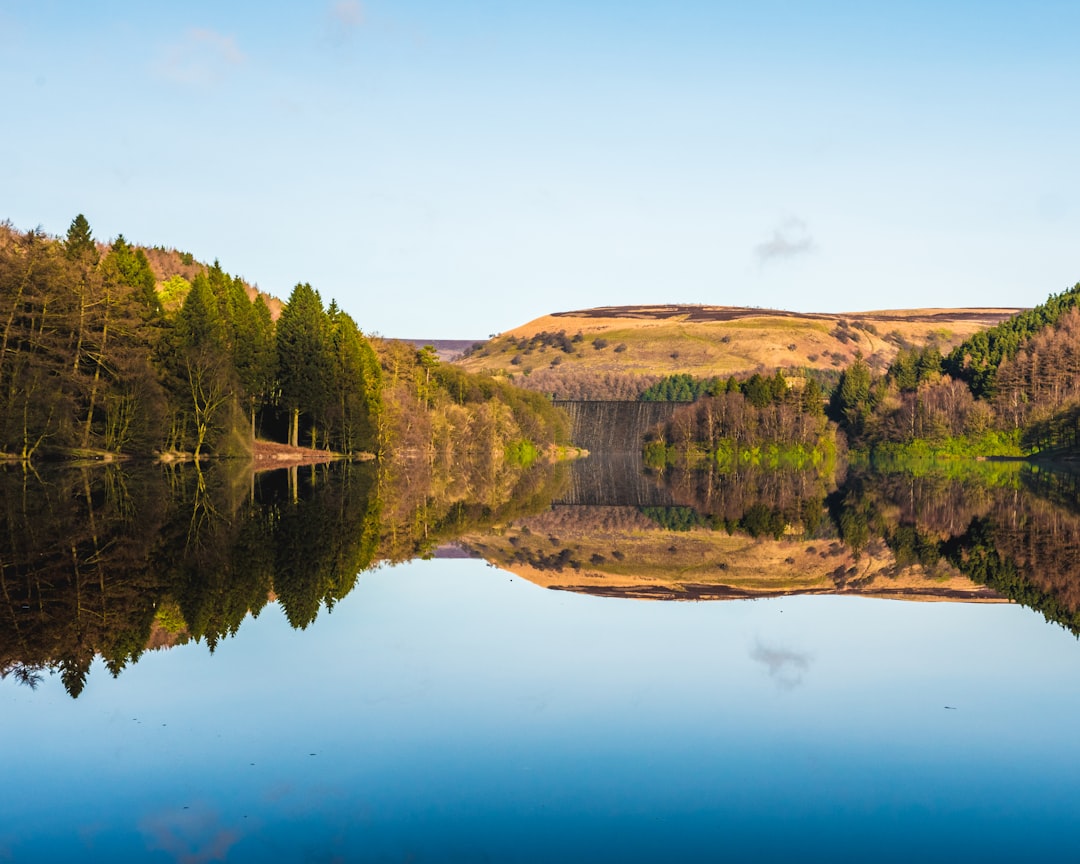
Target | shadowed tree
(204,374)
(303,359)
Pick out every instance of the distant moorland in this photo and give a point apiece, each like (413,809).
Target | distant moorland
(569,353)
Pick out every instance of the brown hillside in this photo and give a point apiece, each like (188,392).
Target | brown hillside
(716,340)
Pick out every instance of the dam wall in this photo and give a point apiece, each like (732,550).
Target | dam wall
(613,474)
(613,427)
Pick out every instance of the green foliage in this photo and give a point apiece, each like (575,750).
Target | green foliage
(991,443)
(169,617)
(760,390)
(730,456)
(537,419)
(913,366)
(659,455)
(80,240)
(812,398)
(1058,434)
(760,520)
(90,359)
(199,325)
(127,265)
(304,367)
(729,431)
(676,518)
(522,453)
(172,291)
(851,402)
(680,387)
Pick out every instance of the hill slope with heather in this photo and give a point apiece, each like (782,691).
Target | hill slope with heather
(623,343)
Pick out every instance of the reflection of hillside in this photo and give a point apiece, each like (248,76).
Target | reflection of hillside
(622,552)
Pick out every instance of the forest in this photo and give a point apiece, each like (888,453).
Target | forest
(114,349)
(759,421)
(1012,390)
(1008,391)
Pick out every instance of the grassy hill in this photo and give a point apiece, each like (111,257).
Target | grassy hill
(716,340)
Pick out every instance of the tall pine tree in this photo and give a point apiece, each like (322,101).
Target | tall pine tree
(304,360)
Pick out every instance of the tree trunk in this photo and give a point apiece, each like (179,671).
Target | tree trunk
(97,374)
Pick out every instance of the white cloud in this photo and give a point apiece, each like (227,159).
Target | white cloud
(790,239)
(202,57)
(347,14)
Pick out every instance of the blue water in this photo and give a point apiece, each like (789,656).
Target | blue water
(449,711)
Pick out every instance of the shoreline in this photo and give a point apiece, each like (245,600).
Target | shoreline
(264,456)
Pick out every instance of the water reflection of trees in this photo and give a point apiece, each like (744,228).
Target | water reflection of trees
(104,561)
(426,505)
(110,560)
(751,499)
(1017,533)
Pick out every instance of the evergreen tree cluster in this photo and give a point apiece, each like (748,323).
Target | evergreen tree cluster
(1016,385)
(976,360)
(760,390)
(92,360)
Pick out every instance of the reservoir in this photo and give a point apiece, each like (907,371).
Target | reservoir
(222,669)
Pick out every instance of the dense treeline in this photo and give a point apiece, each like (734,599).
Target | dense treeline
(92,359)
(913,401)
(976,360)
(438,412)
(759,389)
(759,420)
(1012,389)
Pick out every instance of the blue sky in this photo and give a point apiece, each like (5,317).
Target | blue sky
(454,169)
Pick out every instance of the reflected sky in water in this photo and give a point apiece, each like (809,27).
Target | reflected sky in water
(449,711)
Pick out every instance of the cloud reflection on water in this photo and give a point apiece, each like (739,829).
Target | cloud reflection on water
(785,667)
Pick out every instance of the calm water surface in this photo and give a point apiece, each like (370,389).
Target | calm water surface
(447,710)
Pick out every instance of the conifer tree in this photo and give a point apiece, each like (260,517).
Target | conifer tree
(80,241)
(205,375)
(303,359)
